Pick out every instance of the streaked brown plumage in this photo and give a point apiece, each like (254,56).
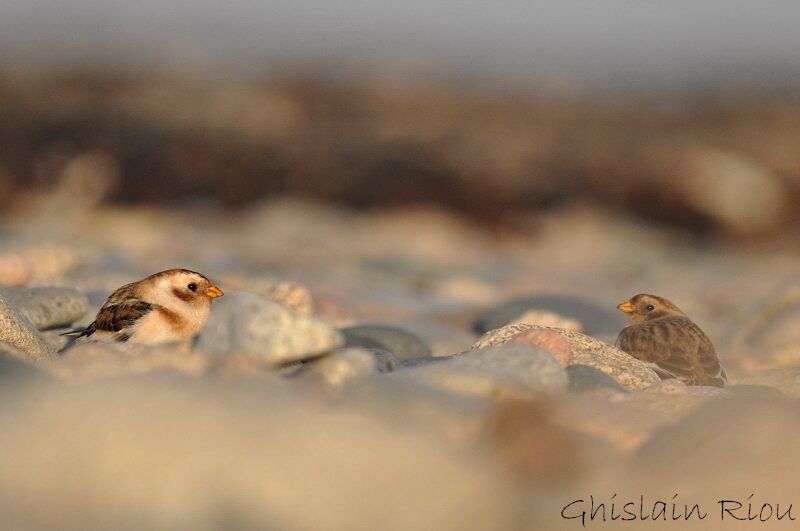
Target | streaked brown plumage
(660,334)
(164,307)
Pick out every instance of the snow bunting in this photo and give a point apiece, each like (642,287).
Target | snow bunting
(660,334)
(169,306)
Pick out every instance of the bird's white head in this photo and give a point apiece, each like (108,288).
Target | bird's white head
(177,287)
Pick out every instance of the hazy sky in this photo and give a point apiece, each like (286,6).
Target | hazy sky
(616,41)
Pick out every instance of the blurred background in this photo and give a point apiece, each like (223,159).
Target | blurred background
(403,179)
(682,113)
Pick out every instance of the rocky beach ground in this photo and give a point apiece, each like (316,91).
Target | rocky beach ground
(393,369)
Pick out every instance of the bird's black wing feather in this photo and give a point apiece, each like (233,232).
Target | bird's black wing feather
(121,310)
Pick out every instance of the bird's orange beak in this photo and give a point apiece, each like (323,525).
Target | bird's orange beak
(626,307)
(213,292)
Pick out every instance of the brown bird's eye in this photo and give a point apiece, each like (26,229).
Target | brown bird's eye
(649,308)
(192,286)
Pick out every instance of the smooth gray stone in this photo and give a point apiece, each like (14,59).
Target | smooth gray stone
(586,378)
(595,319)
(246,323)
(508,369)
(401,343)
(339,368)
(17,330)
(538,368)
(49,307)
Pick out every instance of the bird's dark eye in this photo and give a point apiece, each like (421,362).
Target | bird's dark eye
(649,308)
(192,286)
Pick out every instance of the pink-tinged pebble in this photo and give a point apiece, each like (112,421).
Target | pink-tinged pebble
(15,271)
(549,340)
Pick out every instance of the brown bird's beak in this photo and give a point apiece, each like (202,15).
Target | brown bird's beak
(626,307)
(213,292)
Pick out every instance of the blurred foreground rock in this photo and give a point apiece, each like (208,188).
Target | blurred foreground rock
(178,454)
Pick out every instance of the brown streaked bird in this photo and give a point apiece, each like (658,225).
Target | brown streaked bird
(165,307)
(660,334)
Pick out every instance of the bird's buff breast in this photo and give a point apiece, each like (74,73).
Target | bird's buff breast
(165,326)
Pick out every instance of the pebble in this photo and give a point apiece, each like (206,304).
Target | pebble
(506,368)
(402,343)
(629,372)
(51,259)
(49,307)
(550,340)
(294,296)
(501,335)
(291,294)
(593,317)
(339,368)
(246,323)
(15,271)
(17,330)
(547,318)
(442,339)
(586,378)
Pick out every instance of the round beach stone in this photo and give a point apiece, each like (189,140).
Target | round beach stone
(17,331)
(504,371)
(245,323)
(596,319)
(501,335)
(586,378)
(550,340)
(402,343)
(629,372)
(340,367)
(548,318)
(14,270)
(49,307)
